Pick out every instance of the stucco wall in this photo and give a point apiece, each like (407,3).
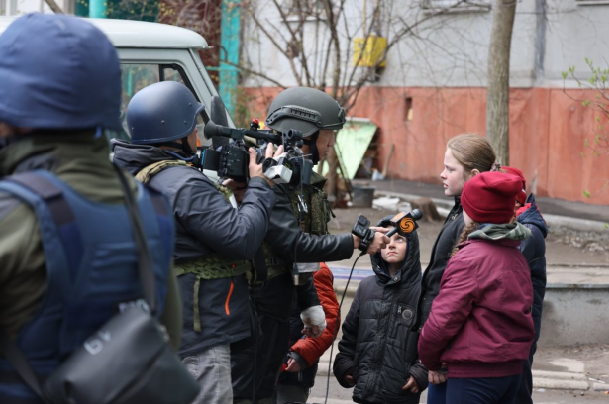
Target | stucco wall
(547,132)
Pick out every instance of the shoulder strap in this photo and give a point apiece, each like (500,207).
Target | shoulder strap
(146,173)
(16,358)
(139,235)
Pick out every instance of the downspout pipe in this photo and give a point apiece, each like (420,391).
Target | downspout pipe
(98,8)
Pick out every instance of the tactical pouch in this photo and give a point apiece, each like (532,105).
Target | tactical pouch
(126,361)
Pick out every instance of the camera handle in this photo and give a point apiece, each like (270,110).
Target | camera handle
(365,234)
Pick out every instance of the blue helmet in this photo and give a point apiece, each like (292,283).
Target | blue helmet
(58,72)
(162,112)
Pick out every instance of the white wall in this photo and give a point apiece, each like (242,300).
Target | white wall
(452,50)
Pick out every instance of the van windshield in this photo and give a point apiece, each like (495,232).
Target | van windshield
(136,76)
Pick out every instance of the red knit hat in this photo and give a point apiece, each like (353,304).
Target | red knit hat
(522,196)
(489,197)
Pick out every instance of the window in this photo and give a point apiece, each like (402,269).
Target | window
(136,76)
(457,6)
(8,7)
(306,9)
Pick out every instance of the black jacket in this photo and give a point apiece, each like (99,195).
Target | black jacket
(287,238)
(285,235)
(440,254)
(378,346)
(534,250)
(207,223)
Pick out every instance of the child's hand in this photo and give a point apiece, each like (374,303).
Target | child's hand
(411,385)
(436,377)
(349,380)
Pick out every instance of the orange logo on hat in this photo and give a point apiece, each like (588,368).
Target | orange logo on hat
(407,225)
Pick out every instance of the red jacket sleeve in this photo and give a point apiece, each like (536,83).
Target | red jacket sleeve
(450,309)
(311,349)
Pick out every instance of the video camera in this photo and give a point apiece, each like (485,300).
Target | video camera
(232,160)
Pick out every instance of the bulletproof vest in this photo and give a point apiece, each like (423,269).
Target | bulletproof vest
(312,209)
(91,268)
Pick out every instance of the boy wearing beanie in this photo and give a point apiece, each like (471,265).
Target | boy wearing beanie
(480,324)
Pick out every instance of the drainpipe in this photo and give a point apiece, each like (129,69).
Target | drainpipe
(97,8)
(229,51)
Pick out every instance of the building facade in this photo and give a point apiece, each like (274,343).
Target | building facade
(433,84)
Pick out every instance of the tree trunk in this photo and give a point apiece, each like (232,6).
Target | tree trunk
(498,91)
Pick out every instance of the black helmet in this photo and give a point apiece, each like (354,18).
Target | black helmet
(162,112)
(305,109)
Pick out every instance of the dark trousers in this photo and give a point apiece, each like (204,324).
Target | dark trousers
(483,390)
(436,393)
(256,368)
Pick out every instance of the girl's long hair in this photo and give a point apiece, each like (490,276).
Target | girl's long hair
(473,152)
(467,230)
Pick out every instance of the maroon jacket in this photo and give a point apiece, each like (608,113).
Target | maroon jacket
(480,323)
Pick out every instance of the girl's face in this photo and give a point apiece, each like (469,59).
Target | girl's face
(453,176)
(396,250)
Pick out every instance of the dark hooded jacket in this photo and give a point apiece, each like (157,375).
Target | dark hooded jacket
(534,250)
(206,223)
(378,346)
(440,254)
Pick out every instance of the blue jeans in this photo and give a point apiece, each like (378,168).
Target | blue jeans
(482,390)
(436,393)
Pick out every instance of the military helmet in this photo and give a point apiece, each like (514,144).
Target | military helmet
(162,112)
(58,72)
(305,109)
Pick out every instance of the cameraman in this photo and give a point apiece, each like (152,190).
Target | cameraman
(297,233)
(214,241)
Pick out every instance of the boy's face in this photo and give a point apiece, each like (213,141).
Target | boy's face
(396,250)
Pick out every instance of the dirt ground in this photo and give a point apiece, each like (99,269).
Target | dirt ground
(563,246)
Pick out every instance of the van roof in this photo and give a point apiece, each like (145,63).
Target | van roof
(138,34)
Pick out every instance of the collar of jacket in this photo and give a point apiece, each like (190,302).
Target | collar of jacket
(318,180)
(509,231)
(532,215)
(49,151)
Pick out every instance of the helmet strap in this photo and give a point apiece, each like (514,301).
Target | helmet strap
(311,141)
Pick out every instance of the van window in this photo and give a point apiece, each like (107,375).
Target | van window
(136,76)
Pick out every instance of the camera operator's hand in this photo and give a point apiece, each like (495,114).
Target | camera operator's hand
(379,242)
(256,169)
(237,187)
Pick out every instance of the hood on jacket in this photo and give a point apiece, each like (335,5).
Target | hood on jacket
(509,231)
(133,158)
(411,267)
(532,215)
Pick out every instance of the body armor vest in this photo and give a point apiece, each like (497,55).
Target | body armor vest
(312,209)
(91,268)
